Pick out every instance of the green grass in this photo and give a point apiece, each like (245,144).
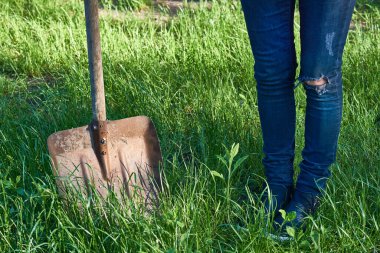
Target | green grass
(193,76)
(126,4)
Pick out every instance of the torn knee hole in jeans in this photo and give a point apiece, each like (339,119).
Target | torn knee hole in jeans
(318,82)
(319,85)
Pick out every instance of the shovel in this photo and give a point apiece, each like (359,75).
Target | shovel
(120,156)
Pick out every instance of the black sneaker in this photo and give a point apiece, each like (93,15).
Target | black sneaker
(301,205)
(276,197)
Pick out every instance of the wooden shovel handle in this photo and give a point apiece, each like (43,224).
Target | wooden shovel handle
(95,60)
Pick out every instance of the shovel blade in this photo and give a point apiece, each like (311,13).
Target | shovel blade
(134,155)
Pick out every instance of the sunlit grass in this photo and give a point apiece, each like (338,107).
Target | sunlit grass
(193,76)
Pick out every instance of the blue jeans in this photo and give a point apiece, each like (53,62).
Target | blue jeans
(324,27)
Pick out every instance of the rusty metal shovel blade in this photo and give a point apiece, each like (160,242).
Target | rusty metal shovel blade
(134,157)
(120,156)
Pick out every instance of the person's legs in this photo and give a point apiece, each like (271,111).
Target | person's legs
(270,29)
(324,28)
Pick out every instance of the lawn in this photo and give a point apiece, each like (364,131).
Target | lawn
(192,74)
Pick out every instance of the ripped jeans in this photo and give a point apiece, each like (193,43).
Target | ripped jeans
(324,25)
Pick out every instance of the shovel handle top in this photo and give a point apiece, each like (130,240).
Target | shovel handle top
(95,60)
